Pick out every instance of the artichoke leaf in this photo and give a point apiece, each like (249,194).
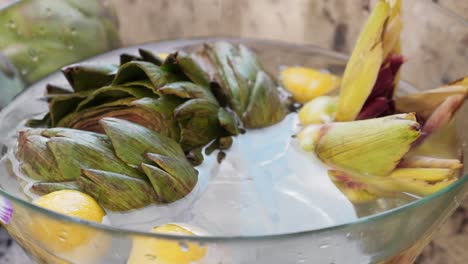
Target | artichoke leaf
(265,106)
(148,56)
(141,70)
(132,141)
(198,122)
(62,105)
(179,168)
(155,114)
(73,154)
(167,187)
(187,90)
(36,159)
(89,76)
(111,93)
(42,188)
(222,55)
(228,121)
(192,70)
(116,192)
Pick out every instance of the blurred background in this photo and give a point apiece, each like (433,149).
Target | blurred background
(38,37)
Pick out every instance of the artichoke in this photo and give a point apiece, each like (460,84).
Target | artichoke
(173,97)
(368,158)
(126,168)
(129,134)
(247,89)
(370,149)
(41,36)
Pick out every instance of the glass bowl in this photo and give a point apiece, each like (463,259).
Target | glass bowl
(303,32)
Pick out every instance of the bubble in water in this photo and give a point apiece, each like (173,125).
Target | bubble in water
(183,246)
(348,235)
(323,246)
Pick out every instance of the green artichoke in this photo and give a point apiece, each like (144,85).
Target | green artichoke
(173,97)
(39,36)
(126,168)
(250,92)
(130,134)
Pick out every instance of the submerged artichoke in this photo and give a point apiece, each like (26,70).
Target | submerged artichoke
(128,167)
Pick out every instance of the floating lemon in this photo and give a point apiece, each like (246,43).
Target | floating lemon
(61,236)
(305,83)
(160,251)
